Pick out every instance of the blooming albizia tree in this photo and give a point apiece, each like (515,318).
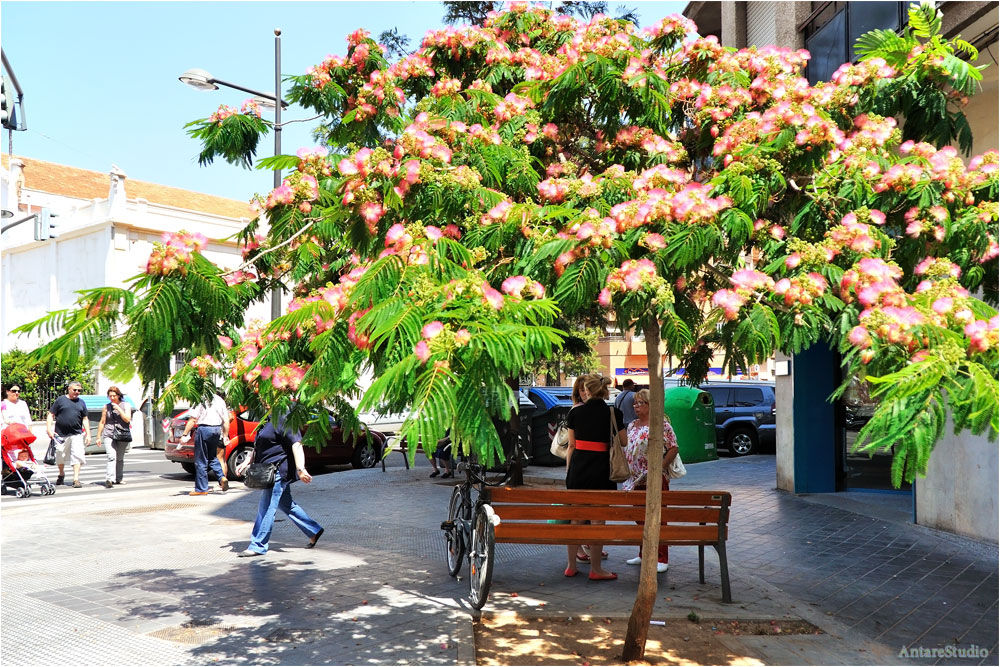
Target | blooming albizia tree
(708,196)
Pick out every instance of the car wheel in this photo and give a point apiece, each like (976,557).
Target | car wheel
(236,459)
(741,441)
(367,453)
(188,468)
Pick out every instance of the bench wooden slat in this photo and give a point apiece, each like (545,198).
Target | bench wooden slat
(616,513)
(582,497)
(547,533)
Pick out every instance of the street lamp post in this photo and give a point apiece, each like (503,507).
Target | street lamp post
(202,80)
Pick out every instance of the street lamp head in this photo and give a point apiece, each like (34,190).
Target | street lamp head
(266,102)
(198,78)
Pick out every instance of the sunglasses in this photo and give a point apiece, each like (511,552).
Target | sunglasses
(638,402)
(14,391)
(76,390)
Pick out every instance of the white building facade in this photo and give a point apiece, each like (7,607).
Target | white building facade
(106,229)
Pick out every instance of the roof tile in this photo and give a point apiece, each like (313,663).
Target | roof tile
(85,184)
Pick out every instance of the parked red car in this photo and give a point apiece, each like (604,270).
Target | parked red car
(363,452)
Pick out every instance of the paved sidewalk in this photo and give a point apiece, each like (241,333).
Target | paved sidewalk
(158,581)
(886,580)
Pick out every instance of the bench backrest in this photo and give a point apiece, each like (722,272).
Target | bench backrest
(687,517)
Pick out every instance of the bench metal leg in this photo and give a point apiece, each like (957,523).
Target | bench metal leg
(701,564)
(720,548)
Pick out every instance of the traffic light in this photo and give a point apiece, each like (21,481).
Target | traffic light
(6,105)
(45,228)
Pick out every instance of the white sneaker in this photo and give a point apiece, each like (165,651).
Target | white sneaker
(635,561)
(661,567)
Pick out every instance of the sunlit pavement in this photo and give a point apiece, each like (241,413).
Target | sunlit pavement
(150,575)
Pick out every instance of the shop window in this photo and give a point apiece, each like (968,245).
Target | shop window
(831,33)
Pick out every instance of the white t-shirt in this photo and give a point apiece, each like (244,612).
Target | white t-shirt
(213,414)
(15,413)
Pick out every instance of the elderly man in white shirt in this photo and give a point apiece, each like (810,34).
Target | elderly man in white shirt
(210,421)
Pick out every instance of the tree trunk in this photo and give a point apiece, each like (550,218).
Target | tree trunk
(642,610)
(514,433)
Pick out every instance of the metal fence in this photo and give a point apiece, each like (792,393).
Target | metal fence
(41,397)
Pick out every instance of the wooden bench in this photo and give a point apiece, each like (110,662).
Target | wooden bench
(394,443)
(689,518)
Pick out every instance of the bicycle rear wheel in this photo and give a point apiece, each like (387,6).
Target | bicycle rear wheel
(453,543)
(481,557)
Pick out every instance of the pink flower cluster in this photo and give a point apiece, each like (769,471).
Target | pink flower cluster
(239,277)
(864,73)
(631,276)
(650,142)
(286,378)
(983,334)
(873,281)
(174,253)
(521,286)
(491,298)
(855,235)
(298,188)
(801,290)
(205,364)
(222,113)
(674,25)
(511,107)
(553,190)
(361,341)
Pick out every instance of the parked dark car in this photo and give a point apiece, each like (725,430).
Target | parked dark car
(363,452)
(744,415)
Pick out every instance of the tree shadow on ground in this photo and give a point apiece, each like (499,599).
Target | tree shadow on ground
(273,611)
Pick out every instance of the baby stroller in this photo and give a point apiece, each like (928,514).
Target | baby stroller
(20,470)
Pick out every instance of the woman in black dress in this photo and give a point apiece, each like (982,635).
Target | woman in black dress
(587,459)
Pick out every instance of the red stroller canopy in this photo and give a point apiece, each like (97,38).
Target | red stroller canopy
(16,436)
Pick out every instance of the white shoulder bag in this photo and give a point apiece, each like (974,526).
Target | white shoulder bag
(676,469)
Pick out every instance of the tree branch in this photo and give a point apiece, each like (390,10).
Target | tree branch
(310,221)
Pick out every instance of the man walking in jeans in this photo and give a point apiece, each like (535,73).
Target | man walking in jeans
(209,420)
(68,425)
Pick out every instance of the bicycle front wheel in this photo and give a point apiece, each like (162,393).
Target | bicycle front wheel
(481,557)
(453,542)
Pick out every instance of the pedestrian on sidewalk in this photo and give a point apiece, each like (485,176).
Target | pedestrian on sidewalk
(587,460)
(209,420)
(68,425)
(13,409)
(579,396)
(638,463)
(279,445)
(115,428)
(443,456)
(624,401)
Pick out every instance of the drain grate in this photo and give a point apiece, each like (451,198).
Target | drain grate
(193,632)
(142,509)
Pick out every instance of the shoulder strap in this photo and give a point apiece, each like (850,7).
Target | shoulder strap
(614,425)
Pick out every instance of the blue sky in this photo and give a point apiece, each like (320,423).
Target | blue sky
(100,78)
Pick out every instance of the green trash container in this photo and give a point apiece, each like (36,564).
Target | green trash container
(692,415)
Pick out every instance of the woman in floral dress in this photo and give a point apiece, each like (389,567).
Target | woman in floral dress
(638,464)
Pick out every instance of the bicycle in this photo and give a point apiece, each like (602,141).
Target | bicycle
(468,531)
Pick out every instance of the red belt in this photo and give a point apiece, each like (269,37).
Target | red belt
(592,445)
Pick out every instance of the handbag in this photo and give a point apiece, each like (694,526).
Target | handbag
(676,470)
(260,476)
(560,441)
(619,466)
(121,433)
(50,454)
